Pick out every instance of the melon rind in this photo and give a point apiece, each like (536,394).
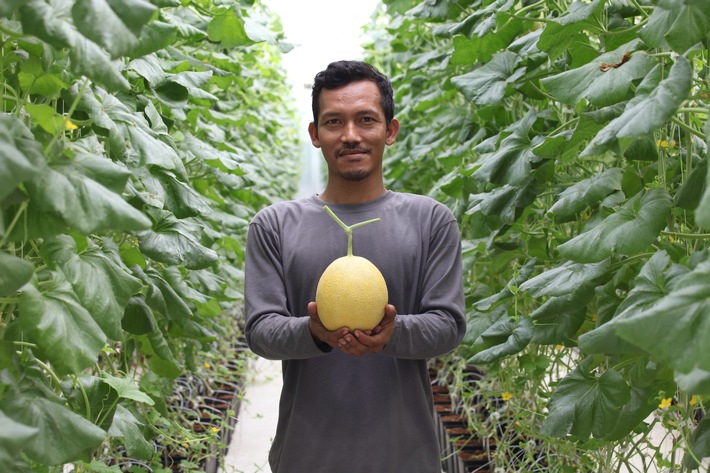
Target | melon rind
(351,293)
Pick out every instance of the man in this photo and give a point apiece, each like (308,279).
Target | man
(354,401)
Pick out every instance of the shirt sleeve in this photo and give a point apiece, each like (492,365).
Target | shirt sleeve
(271,331)
(440,325)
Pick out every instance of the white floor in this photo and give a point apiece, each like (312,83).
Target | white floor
(251,440)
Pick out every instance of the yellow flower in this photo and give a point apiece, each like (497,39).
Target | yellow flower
(665,403)
(559,347)
(207,364)
(662,143)
(693,400)
(507,396)
(214,429)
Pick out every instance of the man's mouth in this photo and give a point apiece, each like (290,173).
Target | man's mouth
(351,152)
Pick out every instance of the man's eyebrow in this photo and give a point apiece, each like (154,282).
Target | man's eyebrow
(367,111)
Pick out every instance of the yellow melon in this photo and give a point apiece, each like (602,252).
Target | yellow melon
(351,291)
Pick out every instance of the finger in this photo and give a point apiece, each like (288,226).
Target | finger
(390,312)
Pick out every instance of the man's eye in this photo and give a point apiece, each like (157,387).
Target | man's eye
(368,119)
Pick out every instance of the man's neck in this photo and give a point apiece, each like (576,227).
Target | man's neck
(352,193)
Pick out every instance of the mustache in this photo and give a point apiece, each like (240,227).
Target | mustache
(346,150)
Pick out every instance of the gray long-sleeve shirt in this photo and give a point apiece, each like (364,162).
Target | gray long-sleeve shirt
(355,414)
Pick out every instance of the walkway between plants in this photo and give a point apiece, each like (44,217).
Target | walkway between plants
(249,447)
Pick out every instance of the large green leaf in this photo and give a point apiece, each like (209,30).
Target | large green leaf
(653,282)
(101,285)
(126,388)
(16,272)
(700,444)
(61,328)
(586,403)
(480,49)
(71,193)
(162,189)
(8,6)
(62,435)
(702,212)
(677,327)
(647,112)
(565,145)
(227,28)
(138,319)
(642,403)
(35,80)
(586,193)
(558,319)
(172,89)
(162,297)
(691,193)
(489,84)
(598,84)
(50,22)
(504,203)
(113,24)
(131,138)
(176,242)
(21,158)
(505,293)
(513,160)
(565,279)
(159,355)
(155,36)
(677,23)
(91,398)
(503,338)
(126,426)
(13,437)
(560,31)
(627,232)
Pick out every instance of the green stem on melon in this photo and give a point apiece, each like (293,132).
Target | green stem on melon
(348,229)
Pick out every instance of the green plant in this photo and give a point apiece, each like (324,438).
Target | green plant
(571,141)
(137,140)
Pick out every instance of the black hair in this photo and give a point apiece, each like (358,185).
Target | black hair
(341,73)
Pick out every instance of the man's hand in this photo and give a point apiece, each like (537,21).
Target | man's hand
(358,342)
(320,333)
(362,342)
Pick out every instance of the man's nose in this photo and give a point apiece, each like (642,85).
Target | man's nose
(350,133)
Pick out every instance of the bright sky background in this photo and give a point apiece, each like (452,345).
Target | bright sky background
(323,31)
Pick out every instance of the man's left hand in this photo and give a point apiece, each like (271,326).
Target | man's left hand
(362,342)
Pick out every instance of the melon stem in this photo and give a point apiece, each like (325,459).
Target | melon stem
(348,229)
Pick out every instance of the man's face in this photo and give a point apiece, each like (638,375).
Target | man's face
(351,131)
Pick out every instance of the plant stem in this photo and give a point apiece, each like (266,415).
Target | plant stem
(348,229)
(689,236)
(50,372)
(84,395)
(688,128)
(20,212)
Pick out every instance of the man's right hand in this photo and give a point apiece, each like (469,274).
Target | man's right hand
(321,334)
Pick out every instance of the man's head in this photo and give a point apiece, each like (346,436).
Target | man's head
(341,73)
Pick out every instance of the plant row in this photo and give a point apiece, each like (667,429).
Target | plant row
(571,141)
(138,138)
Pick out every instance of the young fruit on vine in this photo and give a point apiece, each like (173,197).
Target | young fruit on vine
(351,291)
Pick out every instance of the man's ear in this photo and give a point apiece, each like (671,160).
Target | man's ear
(313,132)
(392,130)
